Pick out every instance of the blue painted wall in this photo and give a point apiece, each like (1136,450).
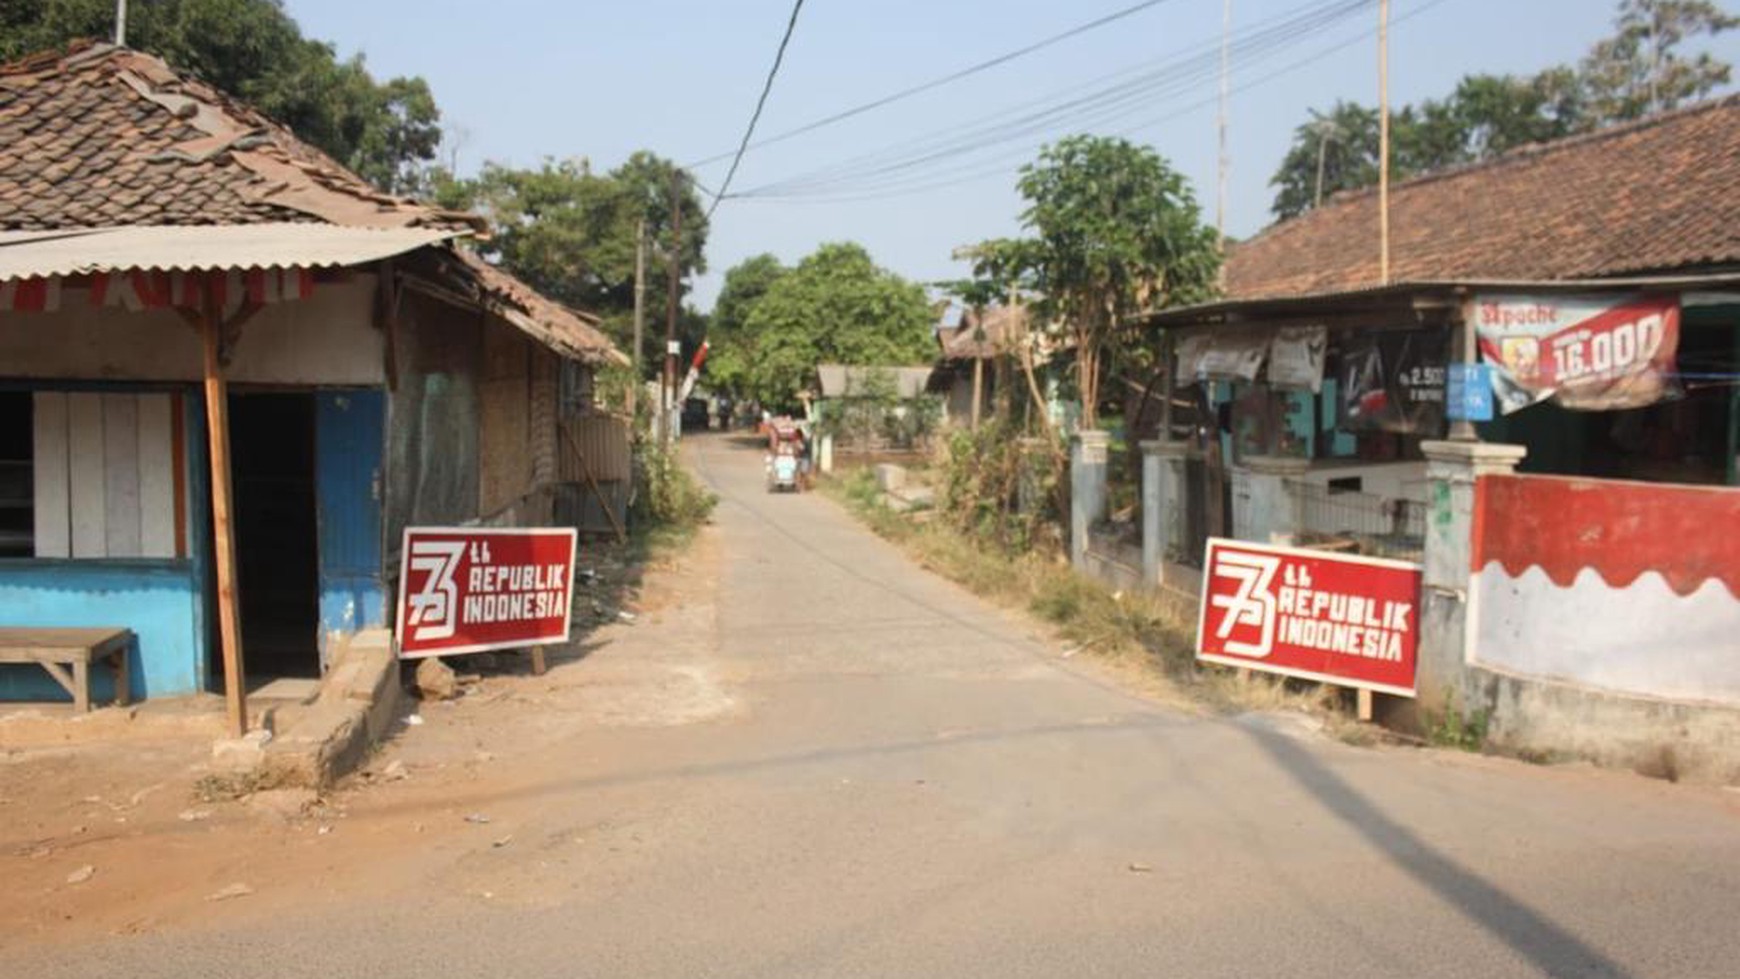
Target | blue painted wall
(163,601)
(156,599)
(350,438)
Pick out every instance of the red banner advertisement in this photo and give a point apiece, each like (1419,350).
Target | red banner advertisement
(1593,353)
(466,590)
(1352,621)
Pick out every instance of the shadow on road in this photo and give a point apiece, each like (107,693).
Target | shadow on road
(1549,947)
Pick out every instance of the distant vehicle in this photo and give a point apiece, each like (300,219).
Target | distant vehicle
(695,415)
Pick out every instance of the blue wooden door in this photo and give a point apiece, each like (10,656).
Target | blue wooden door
(350,430)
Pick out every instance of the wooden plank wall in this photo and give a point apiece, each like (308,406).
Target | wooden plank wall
(504,429)
(106,480)
(603,441)
(52,475)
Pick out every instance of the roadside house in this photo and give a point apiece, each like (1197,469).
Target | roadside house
(183,280)
(974,367)
(1579,547)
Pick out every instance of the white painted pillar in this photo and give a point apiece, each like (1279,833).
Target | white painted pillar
(1452,469)
(1163,504)
(1087,489)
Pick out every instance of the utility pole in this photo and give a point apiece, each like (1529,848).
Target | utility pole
(639,316)
(1384,142)
(1220,200)
(670,381)
(120,23)
(1324,128)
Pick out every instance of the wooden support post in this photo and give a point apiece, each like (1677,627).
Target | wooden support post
(217,424)
(978,388)
(1365,705)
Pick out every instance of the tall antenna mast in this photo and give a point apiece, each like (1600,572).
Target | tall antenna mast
(1384,142)
(1220,202)
(120,23)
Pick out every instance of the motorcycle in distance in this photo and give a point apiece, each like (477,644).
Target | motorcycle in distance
(785,458)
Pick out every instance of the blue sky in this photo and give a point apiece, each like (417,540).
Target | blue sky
(518,80)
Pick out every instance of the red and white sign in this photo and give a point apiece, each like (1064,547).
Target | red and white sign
(464,590)
(1595,353)
(1353,621)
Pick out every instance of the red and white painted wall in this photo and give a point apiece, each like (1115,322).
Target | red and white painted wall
(1617,587)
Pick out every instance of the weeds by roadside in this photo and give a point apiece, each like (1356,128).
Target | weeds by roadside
(670,504)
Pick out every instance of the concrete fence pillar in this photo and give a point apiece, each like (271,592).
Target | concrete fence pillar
(1265,508)
(1452,469)
(1163,504)
(1087,489)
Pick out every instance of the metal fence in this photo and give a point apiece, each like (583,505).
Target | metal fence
(1359,523)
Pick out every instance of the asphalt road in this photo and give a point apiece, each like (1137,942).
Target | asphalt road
(877,775)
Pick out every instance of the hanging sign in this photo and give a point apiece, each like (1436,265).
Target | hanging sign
(1335,618)
(466,590)
(1588,352)
(1470,393)
(1296,358)
(1393,381)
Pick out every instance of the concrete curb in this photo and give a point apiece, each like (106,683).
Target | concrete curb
(355,710)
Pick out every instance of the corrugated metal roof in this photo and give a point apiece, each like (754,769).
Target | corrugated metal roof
(39,254)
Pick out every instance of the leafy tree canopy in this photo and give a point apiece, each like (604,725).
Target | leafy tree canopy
(1117,232)
(385,131)
(570,232)
(1639,70)
(733,352)
(835,307)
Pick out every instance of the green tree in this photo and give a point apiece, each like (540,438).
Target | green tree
(1118,233)
(733,350)
(836,307)
(385,131)
(1639,70)
(1333,151)
(570,232)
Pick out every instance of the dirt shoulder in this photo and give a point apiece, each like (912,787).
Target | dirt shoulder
(132,834)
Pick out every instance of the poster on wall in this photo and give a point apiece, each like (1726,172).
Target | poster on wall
(1587,352)
(468,589)
(1296,358)
(1393,381)
(1335,618)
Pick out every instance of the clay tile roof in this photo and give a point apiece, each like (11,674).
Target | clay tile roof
(99,135)
(1655,196)
(969,342)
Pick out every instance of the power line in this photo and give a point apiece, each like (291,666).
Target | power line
(899,186)
(1176,72)
(1131,90)
(938,82)
(760,103)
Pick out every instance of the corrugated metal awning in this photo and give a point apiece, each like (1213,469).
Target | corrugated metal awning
(187,248)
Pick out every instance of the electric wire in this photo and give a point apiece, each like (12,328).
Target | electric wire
(760,103)
(935,83)
(843,191)
(1178,71)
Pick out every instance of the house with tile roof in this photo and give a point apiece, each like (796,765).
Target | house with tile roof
(234,372)
(1539,409)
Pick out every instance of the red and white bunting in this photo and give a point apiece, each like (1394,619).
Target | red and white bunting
(30,295)
(137,290)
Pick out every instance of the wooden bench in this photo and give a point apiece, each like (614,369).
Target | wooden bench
(57,649)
